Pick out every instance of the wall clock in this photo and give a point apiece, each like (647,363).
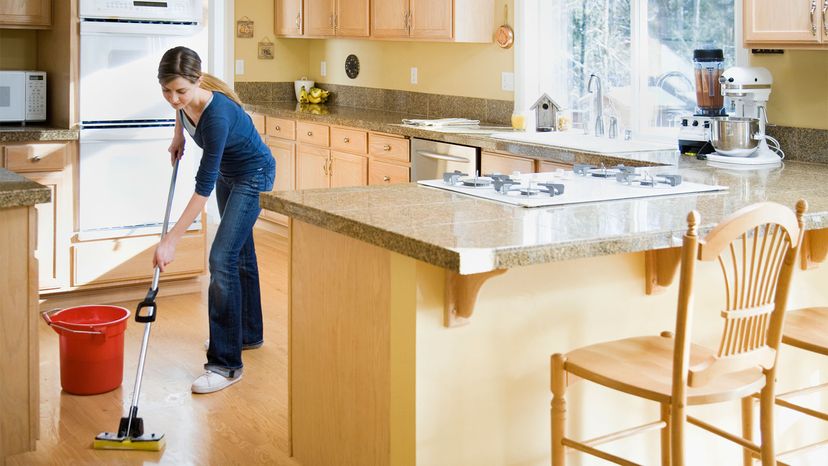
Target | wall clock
(352,66)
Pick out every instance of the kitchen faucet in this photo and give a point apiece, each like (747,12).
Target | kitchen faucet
(599,103)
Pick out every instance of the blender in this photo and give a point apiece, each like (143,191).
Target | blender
(694,131)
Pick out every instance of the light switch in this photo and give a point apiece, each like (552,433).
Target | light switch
(323,68)
(413,75)
(239,67)
(507,81)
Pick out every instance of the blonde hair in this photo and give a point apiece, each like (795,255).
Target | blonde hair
(181,62)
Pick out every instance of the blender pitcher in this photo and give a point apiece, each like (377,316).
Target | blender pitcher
(708,65)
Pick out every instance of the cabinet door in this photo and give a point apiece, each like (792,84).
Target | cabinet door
(258,122)
(431,19)
(52,237)
(30,13)
(348,170)
(311,167)
(389,18)
(288,20)
(285,154)
(383,173)
(783,21)
(352,18)
(319,17)
(504,164)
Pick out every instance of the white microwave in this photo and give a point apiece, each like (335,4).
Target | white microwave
(22,96)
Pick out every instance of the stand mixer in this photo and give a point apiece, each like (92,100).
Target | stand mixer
(749,89)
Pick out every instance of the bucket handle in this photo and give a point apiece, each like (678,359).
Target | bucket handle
(46,315)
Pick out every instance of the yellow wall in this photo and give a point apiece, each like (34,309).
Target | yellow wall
(800,87)
(471,70)
(18,49)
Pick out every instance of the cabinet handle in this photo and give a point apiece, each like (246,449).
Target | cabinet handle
(278,128)
(813,22)
(325,166)
(824,10)
(36,158)
(298,17)
(334,27)
(336,21)
(346,140)
(386,147)
(408,21)
(330,167)
(310,133)
(386,178)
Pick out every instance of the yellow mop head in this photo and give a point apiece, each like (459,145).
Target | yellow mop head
(146,442)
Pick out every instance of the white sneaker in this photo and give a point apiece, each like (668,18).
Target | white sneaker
(210,382)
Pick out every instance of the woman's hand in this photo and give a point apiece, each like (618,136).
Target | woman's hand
(164,254)
(176,148)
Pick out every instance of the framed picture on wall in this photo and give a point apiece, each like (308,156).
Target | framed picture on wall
(244,28)
(266,49)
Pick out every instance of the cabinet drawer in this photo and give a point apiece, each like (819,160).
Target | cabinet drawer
(281,128)
(36,157)
(258,121)
(548,166)
(388,147)
(504,164)
(312,133)
(380,173)
(131,259)
(349,140)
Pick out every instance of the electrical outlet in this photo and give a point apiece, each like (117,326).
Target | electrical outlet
(239,67)
(413,75)
(507,81)
(323,68)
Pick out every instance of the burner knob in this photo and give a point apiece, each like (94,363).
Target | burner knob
(695,123)
(684,122)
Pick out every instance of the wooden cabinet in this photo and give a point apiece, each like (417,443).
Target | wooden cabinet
(786,23)
(288,21)
(347,170)
(330,157)
(443,20)
(46,163)
(284,151)
(33,14)
(548,166)
(312,167)
(381,173)
(491,162)
(389,159)
(341,18)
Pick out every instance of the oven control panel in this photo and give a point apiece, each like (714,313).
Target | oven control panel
(168,10)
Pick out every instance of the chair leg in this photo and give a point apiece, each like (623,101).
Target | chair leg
(665,435)
(747,428)
(766,406)
(558,409)
(678,421)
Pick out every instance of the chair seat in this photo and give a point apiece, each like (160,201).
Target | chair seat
(807,329)
(643,366)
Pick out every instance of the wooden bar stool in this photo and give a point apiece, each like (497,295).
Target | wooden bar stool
(756,249)
(806,329)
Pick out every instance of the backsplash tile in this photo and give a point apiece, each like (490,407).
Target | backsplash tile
(802,144)
(414,103)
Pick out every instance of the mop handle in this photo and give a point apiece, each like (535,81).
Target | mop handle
(149,302)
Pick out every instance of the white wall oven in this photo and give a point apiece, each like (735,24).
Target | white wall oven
(126,125)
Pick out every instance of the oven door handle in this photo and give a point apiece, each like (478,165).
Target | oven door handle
(450,158)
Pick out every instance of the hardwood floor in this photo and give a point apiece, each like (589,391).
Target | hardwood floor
(244,424)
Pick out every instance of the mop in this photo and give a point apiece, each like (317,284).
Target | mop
(131,434)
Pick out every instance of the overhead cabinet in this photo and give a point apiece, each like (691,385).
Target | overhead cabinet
(786,23)
(445,20)
(32,14)
(288,21)
(340,18)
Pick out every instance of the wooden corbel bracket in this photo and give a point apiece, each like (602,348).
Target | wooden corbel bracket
(660,266)
(814,248)
(461,295)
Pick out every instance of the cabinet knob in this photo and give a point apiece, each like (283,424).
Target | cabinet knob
(278,128)
(36,158)
(310,133)
(386,178)
(386,147)
(346,140)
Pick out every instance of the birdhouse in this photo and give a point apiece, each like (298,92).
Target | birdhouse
(546,113)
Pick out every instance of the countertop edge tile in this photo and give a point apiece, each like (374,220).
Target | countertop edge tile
(14,134)
(18,191)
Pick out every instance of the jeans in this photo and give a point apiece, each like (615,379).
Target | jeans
(234,298)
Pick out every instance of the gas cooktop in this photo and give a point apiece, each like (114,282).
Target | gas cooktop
(585,183)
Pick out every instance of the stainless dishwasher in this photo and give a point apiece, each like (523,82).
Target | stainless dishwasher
(430,159)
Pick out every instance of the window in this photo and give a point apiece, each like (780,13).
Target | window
(642,51)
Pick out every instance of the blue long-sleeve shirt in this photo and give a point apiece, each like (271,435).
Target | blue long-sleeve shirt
(230,143)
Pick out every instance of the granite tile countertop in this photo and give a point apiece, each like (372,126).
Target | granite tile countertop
(390,122)
(17,191)
(31,133)
(469,235)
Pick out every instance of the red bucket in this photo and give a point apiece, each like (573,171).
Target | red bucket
(91,347)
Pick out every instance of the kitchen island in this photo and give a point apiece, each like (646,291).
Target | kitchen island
(422,321)
(18,313)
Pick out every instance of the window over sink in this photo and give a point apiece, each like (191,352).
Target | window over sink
(642,51)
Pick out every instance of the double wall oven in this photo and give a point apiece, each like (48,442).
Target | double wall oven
(126,125)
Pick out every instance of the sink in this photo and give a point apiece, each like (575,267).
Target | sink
(584,142)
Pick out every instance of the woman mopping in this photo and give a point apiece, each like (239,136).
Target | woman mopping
(240,166)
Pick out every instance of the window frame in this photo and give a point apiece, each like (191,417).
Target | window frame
(532,80)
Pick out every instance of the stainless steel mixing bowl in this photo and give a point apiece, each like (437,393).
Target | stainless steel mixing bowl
(733,136)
